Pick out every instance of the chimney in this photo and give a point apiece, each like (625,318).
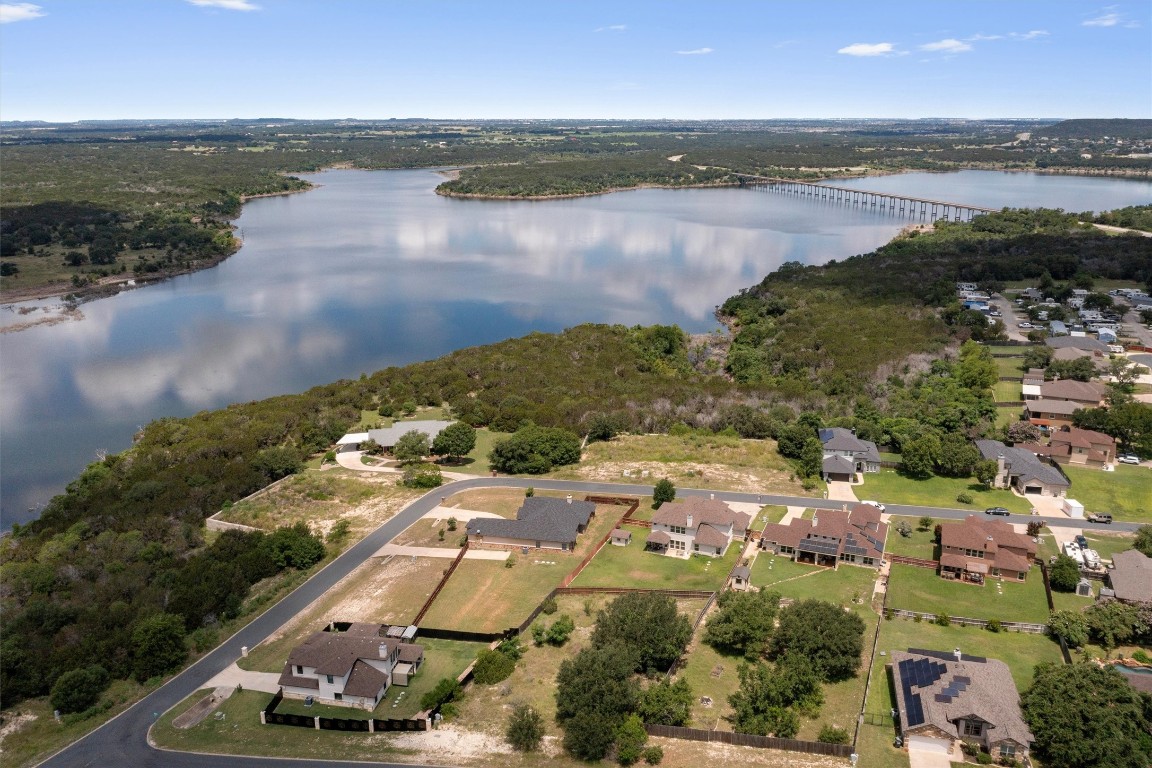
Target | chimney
(957,654)
(383,650)
(569,498)
(688,522)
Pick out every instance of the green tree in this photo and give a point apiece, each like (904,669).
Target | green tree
(666,703)
(601,427)
(158,645)
(811,457)
(447,691)
(831,638)
(525,728)
(1087,716)
(277,462)
(595,692)
(412,446)
(1070,625)
(919,456)
(1022,432)
(663,492)
(743,622)
(422,476)
(958,456)
(985,471)
(492,667)
(534,450)
(630,740)
(1112,623)
(769,698)
(79,689)
(976,369)
(1064,574)
(455,440)
(560,630)
(925,522)
(1144,540)
(294,546)
(646,623)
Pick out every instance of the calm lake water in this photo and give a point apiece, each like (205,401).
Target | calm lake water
(373,269)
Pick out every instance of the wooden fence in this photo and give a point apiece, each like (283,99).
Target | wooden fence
(916,561)
(750,740)
(436,592)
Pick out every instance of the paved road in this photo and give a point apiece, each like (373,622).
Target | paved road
(123,740)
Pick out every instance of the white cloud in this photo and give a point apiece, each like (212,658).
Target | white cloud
(1103,20)
(947,45)
(10,12)
(982,38)
(613,28)
(868,49)
(1029,35)
(695,52)
(228,5)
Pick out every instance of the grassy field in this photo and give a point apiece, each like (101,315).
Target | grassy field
(1009,366)
(920,589)
(1006,391)
(486,596)
(1126,493)
(1007,415)
(844,585)
(631,566)
(919,543)
(442,658)
(890,487)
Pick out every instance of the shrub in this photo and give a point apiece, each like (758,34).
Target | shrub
(338,531)
(983,758)
(440,535)
(653,755)
(964,497)
(525,728)
(549,606)
(422,476)
(630,740)
(561,630)
(492,667)
(452,523)
(830,734)
(446,691)
(204,639)
(539,633)
(529,492)
(1142,657)
(942,620)
(994,625)
(79,689)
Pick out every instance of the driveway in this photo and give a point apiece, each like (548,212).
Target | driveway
(841,491)
(920,759)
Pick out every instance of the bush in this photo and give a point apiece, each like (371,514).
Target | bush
(535,450)
(830,734)
(452,523)
(529,492)
(1142,657)
(549,607)
(204,639)
(525,728)
(983,758)
(539,633)
(942,620)
(964,497)
(1064,574)
(422,476)
(446,691)
(492,667)
(653,755)
(561,630)
(630,740)
(994,625)
(79,689)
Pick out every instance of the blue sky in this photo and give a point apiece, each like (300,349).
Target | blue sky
(105,59)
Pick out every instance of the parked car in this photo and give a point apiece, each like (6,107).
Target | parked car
(876,504)
(1083,542)
(1024,325)
(996,511)
(1128,458)
(1099,517)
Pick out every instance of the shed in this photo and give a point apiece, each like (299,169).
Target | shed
(409,633)
(621,537)
(1084,588)
(740,577)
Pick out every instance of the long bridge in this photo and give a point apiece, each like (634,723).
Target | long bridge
(881,202)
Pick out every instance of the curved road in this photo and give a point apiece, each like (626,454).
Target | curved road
(123,741)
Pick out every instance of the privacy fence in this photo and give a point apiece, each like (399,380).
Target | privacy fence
(269,716)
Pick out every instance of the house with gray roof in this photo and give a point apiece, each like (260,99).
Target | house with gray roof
(388,436)
(1077,342)
(542,522)
(353,668)
(945,698)
(1131,576)
(846,455)
(1019,468)
(696,525)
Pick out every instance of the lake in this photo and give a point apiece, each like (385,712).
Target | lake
(373,269)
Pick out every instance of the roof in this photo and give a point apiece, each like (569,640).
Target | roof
(1131,576)
(1070,389)
(858,531)
(410,652)
(1082,438)
(1077,342)
(1003,547)
(708,536)
(352,438)
(620,533)
(1021,463)
(838,465)
(388,437)
(840,439)
(335,653)
(365,681)
(1058,407)
(540,518)
(741,572)
(936,690)
(659,537)
(702,510)
(1034,375)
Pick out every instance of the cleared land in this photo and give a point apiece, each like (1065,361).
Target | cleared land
(920,589)
(696,461)
(486,596)
(631,566)
(891,487)
(1125,493)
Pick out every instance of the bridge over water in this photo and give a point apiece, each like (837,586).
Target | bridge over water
(882,202)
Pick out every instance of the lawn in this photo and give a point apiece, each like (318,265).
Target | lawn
(920,589)
(486,596)
(442,658)
(1126,493)
(1009,366)
(919,544)
(1008,414)
(891,487)
(631,566)
(844,585)
(1007,391)
(1105,544)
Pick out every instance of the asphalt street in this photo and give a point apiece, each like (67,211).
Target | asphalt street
(123,741)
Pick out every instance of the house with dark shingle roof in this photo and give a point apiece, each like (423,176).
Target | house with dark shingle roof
(542,522)
(1088,393)
(354,668)
(945,698)
(1019,468)
(831,537)
(696,526)
(1131,576)
(977,548)
(845,455)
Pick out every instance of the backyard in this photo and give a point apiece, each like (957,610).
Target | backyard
(631,566)
(844,585)
(891,487)
(1125,493)
(919,543)
(488,596)
(920,589)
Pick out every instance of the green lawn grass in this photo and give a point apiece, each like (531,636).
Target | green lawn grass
(1126,494)
(844,585)
(891,487)
(486,596)
(1008,414)
(631,566)
(919,544)
(1007,391)
(920,589)
(442,658)
(1009,366)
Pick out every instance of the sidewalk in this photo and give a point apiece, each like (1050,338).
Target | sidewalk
(443,552)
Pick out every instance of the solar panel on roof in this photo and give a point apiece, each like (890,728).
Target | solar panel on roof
(963,679)
(943,698)
(959,685)
(818,547)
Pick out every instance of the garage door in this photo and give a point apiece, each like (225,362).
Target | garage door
(928,744)
(1033,489)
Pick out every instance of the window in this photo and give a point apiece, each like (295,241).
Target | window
(339,697)
(695,547)
(1007,750)
(329,679)
(1020,576)
(972,727)
(677,529)
(299,669)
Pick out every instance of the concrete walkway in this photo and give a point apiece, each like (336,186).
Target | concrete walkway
(793,513)
(444,552)
(268,682)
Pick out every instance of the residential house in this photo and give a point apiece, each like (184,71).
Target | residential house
(1033,380)
(831,537)
(621,537)
(1131,576)
(387,437)
(846,455)
(542,522)
(977,548)
(1051,414)
(354,668)
(1099,361)
(696,525)
(1019,468)
(1083,447)
(944,698)
(1088,394)
(1077,342)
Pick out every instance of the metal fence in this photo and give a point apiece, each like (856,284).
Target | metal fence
(750,740)
(1006,626)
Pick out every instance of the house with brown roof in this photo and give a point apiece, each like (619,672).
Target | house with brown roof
(696,526)
(354,668)
(944,698)
(1082,447)
(831,537)
(1131,576)
(1051,414)
(977,548)
(542,522)
(1088,394)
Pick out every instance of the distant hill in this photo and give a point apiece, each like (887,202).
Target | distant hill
(1098,129)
